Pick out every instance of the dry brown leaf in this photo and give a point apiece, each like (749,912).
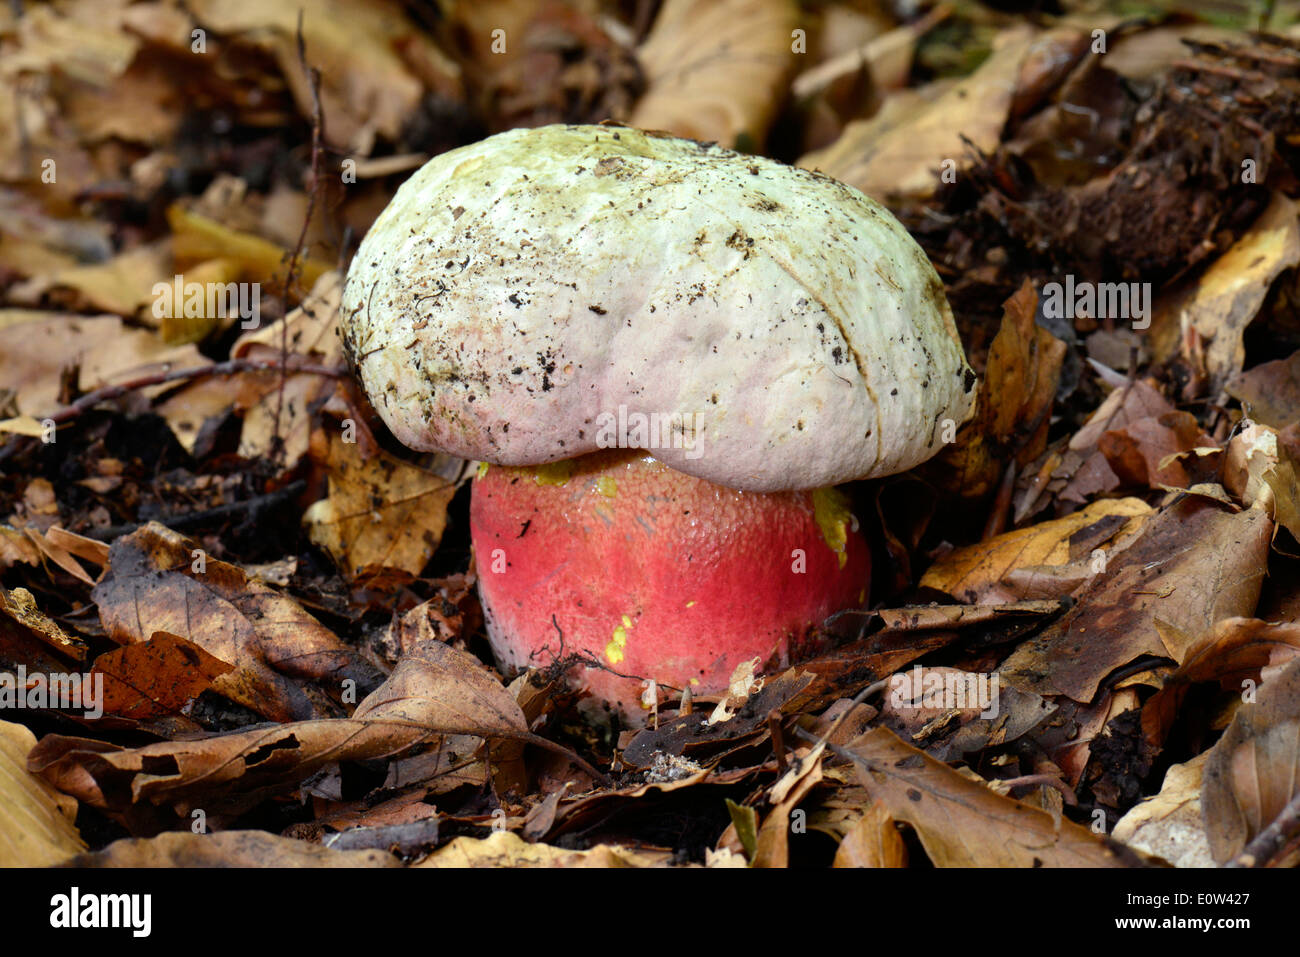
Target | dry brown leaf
(1169,824)
(963,823)
(434,691)
(121,285)
(1253,771)
(1146,452)
(1085,472)
(19,606)
(36,821)
(716,69)
(902,152)
(506,849)
(974,573)
(197,239)
(1270,391)
(157,677)
(381,512)
(1014,403)
(872,841)
(1234,651)
(773,843)
(227,849)
(365,53)
(34,349)
(159,581)
(1228,295)
(1193,564)
(15,547)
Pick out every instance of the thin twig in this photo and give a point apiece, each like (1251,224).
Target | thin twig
(317,128)
(232,367)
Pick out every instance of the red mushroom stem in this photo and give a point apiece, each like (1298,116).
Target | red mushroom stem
(649,573)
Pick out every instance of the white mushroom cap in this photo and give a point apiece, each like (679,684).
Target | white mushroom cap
(518,291)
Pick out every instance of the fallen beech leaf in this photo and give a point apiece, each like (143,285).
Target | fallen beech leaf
(227,849)
(1169,824)
(381,512)
(1086,471)
(1193,564)
(368,83)
(197,239)
(1253,771)
(1145,452)
(772,848)
(974,573)
(19,606)
(1233,651)
(716,69)
(156,677)
(57,554)
(79,545)
(159,581)
(36,828)
(33,352)
(963,823)
(1270,391)
(1014,404)
(1283,480)
(892,155)
(1228,295)
(872,841)
(506,849)
(121,285)
(434,691)
(15,547)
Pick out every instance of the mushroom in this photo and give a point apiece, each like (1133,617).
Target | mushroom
(666,354)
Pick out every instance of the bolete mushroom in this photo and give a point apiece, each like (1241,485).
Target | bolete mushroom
(669,353)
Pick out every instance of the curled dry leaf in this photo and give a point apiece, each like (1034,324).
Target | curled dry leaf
(159,581)
(1193,564)
(372,60)
(19,606)
(434,691)
(872,840)
(1253,771)
(16,548)
(978,572)
(716,69)
(903,152)
(963,823)
(772,848)
(36,821)
(1169,824)
(1229,294)
(381,512)
(1235,651)
(1014,407)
